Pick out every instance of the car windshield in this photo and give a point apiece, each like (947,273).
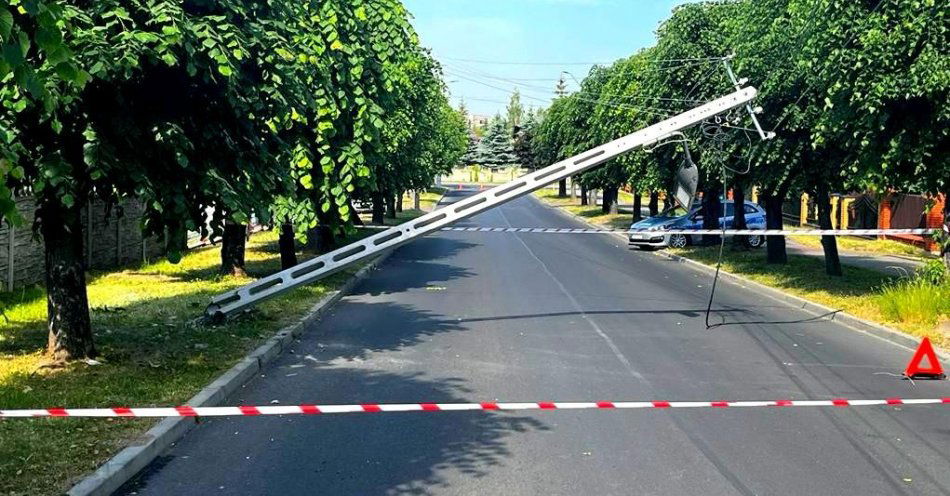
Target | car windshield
(673,213)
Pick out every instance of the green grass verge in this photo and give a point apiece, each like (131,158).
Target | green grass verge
(427,199)
(861,292)
(923,299)
(153,352)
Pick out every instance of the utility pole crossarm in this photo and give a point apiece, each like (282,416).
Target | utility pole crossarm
(324,265)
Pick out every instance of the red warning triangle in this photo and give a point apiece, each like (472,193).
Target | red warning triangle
(932,371)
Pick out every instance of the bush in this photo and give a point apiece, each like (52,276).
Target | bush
(922,299)
(934,272)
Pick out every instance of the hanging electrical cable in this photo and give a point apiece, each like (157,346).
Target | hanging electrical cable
(715,131)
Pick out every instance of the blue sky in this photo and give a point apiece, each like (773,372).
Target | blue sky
(527,43)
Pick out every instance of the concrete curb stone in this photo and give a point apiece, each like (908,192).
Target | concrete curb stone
(127,463)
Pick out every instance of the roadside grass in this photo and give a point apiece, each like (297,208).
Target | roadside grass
(427,199)
(868,294)
(153,352)
(626,198)
(863,245)
(915,300)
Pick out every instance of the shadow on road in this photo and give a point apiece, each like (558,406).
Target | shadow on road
(419,269)
(361,328)
(401,453)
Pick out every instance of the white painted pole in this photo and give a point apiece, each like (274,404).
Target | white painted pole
(339,259)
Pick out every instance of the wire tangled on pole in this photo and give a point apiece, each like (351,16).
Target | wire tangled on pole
(715,131)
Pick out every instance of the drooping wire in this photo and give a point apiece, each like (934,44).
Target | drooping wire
(722,246)
(714,131)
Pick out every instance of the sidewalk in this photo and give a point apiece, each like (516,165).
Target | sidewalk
(888,264)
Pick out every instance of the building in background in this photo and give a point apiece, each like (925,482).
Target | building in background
(477,121)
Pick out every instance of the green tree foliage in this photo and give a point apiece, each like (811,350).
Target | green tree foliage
(495,150)
(618,116)
(244,106)
(886,80)
(369,124)
(472,152)
(515,113)
(120,99)
(856,92)
(523,142)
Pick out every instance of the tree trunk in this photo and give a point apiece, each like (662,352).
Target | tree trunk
(70,330)
(611,194)
(584,197)
(945,250)
(354,215)
(288,248)
(232,249)
(379,208)
(711,212)
(326,241)
(738,219)
(829,243)
(668,201)
(399,198)
(637,206)
(176,241)
(562,188)
(775,245)
(654,203)
(391,207)
(416,200)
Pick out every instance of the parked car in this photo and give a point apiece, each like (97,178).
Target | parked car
(677,218)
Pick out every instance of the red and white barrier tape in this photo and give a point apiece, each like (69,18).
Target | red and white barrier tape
(238,411)
(698,232)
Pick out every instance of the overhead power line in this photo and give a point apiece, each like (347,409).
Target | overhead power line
(501,62)
(606,99)
(548,63)
(648,110)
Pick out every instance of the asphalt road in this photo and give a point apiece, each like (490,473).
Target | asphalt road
(461,317)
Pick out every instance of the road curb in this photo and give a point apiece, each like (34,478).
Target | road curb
(139,453)
(893,336)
